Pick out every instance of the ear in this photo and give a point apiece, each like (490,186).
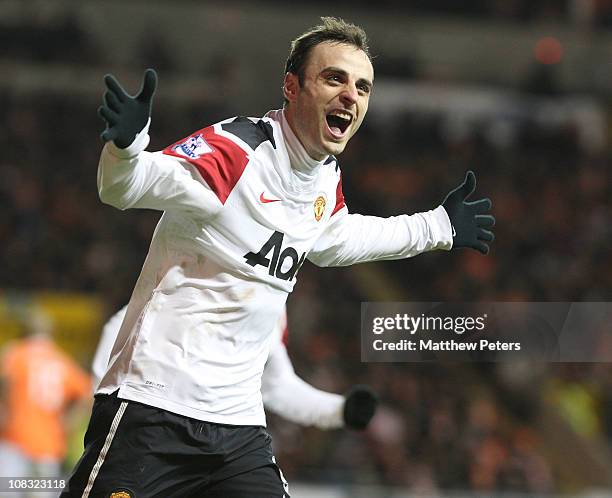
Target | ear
(291,87)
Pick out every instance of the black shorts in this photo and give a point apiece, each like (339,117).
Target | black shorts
(135,450)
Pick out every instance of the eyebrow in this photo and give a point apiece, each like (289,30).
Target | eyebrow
(332,69)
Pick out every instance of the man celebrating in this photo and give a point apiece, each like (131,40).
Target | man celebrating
(246,201)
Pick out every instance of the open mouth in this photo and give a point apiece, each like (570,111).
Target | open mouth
(338,122)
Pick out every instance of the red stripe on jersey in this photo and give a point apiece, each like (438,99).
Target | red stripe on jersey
(285,338)
(221,167)
(339,197)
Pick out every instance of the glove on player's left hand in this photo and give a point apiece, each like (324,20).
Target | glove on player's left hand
(125,115)
(468,219)
(359,407)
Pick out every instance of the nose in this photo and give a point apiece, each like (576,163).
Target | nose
(349,95)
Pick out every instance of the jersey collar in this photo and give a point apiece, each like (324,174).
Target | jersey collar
(304,166)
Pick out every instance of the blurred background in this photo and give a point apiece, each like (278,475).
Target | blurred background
(519,91)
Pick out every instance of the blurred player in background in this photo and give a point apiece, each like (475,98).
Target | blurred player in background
(40,384)
(283,392)
(179,411)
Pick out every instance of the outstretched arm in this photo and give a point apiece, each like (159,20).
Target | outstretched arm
(129,177)
(353,238)
(285,394)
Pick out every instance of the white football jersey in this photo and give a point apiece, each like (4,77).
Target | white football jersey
(282,390)
(244,206)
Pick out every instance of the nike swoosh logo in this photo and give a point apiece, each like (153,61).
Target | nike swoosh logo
(454,233)
(265,201)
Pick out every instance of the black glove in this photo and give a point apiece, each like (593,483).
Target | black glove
(125,115)
(359,407)
(468,218)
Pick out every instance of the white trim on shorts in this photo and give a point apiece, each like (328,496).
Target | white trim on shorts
(104,450)
(283,480)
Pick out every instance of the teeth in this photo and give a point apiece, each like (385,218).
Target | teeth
(343,115)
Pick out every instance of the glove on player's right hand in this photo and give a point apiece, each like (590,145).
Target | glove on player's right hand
(125,115)
(468,219)
(359,407)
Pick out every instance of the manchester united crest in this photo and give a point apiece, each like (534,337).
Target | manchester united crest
(319,207)
(121,494)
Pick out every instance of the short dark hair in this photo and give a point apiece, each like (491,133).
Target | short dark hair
(333,30)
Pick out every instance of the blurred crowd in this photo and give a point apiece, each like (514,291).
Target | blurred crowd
(596,13)
(439,426)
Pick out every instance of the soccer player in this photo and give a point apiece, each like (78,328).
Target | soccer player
(283,392)
(40,384)
(245,202)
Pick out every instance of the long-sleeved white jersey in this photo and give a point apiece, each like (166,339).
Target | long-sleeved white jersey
(243,206)
(283,391)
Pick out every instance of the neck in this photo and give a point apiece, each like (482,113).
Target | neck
(300,159)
